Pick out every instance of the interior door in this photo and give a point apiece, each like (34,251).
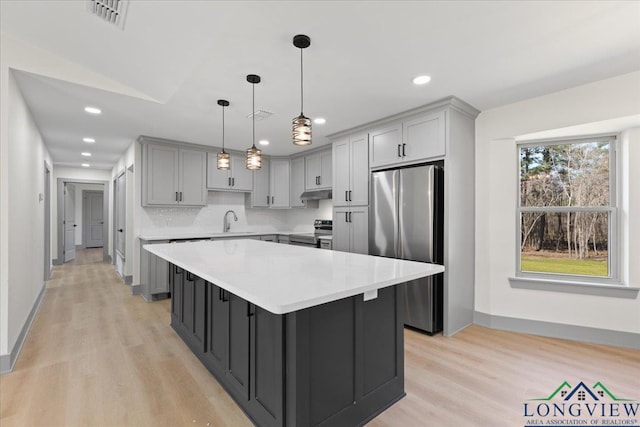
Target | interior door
(94,219)
(69,222)
(120,214)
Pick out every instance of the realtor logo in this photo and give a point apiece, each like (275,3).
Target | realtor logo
(582,405)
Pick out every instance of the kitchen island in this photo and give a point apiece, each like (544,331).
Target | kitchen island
(297,336)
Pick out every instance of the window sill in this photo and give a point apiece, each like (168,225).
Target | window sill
(572,287)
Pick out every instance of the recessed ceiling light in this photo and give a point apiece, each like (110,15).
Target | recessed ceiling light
(92,110)
(263,142)
(85,165)
(86,154)
(421,80)
(89,140)
(319,121)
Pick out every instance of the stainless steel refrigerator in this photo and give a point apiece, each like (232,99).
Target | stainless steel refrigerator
(406,222)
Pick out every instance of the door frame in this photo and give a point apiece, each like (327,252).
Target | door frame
(85,219)
(47,221)
(60,210)
(115,214)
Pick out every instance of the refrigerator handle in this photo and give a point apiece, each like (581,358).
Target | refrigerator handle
(396,217)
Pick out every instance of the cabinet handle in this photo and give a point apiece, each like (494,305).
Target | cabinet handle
(219,294)
(349,195)
(190,277)
(229,181)
(181,196)
(178,270)
(176,196)
(249,311)
(320,180)
(233,182)
(350,216)
(346,195)
(399,146)
(267,199)
(403,145)
(271,199)
(222,295)
(346,217)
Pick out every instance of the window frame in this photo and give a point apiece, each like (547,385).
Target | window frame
(613,209)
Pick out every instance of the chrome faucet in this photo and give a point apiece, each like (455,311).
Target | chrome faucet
(225,222)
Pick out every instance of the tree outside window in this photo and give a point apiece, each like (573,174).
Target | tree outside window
(567,207)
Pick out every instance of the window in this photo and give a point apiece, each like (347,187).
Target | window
(567,212)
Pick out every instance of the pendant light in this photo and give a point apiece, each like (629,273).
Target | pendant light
(254,155)
(224,160)
(301,125)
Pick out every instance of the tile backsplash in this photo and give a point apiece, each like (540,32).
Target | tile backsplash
(210,217)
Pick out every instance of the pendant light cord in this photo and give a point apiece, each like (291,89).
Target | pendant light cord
(301,80)
(223,128)
(253,89)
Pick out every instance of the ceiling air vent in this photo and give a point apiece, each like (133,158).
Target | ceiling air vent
(111,11)
(260,115)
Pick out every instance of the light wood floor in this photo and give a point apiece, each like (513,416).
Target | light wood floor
(97,356)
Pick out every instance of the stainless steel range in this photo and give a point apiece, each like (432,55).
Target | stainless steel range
(323,227)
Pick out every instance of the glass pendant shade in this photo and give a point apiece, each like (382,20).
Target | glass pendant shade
(301,128)
(301,125)
(254,158)
(224,160)
(254,155)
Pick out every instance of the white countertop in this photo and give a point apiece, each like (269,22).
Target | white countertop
(208,235)
(284,278)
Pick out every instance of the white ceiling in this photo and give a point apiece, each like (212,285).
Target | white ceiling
(179,57)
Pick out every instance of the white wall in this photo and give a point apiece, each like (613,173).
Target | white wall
(496,201)
(80,188)
(22,214)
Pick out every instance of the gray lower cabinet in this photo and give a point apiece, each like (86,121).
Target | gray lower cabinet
(154,273)
(336,364)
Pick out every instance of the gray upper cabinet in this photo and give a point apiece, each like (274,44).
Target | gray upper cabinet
(385,145)
(173,176)
(424,137)
(193,172)
(351,171)
(414,139)
(161,173)
(237,178)
(279,180)
(318,171)
(260,197)
(297,182)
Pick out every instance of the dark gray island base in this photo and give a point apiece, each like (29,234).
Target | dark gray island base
(335,364)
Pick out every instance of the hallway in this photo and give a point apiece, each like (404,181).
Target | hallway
(97,356)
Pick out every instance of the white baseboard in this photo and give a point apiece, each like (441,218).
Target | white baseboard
(7,361)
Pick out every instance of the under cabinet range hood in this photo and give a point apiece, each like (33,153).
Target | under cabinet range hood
(317,195)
